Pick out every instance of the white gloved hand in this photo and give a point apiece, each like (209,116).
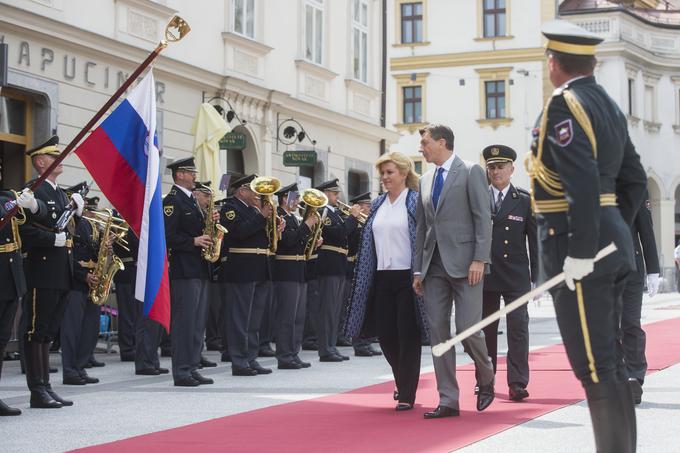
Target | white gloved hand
(60,239)
(27,201)
(80,203)
(576,269)
(652,284)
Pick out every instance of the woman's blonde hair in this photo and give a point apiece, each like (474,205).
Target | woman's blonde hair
(403,163)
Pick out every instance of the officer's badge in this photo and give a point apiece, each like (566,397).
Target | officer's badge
(230,215)
(648,204)
(495,151)
(54,215)
(514,195)
(168,210)
(564,132)
(327,221)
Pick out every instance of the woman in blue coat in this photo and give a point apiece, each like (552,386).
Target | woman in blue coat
(382,301)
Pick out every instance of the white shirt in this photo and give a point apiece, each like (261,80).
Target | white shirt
(391,235)
(186,191)
(53,184)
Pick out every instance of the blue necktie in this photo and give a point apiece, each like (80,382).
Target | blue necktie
(438,186)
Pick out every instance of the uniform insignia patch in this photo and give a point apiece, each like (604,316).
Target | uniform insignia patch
(495,151)
(514,195)
(168,210)
(327,221)
(51,202)
(516,218)
(9,205)
(564,132)
(230,215)
(648,204)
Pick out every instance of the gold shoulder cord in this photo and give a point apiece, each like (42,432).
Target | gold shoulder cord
(17,220)
(582,118)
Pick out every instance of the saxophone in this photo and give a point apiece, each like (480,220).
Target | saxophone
(107,263)
(214,230)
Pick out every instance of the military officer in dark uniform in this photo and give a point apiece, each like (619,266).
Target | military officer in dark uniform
(12,279)
(244,273)
(290,289)
(80,326)
(588,184)
(331,269)
(512,270)
(633,336)
(309,337)
(189,274)
(49,275)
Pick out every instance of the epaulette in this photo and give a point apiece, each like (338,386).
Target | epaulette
(522,190)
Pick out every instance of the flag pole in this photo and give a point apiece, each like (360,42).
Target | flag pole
(176,29)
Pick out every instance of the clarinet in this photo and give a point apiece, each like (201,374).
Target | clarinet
(70,210)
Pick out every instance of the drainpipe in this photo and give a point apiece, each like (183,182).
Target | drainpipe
(383,97)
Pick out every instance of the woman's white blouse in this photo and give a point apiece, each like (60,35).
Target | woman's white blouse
(391,236)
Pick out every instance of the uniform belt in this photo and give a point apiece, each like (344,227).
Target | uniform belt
(250,251)
(290,257)
(561,205)
(331,248)
(129,259)
(351,259)
(8,248)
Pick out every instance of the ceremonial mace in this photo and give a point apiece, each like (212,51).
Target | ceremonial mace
(176,29)
(439,349)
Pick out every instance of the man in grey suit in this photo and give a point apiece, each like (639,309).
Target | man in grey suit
(453,250)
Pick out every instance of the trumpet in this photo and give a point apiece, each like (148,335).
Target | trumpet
(345,209)
(314,200)
(118,227)
(265,187)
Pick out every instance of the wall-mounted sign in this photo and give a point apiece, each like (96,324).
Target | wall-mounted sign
(233,140)
(299,158)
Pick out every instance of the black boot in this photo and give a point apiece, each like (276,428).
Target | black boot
(34,377)
(46,378)
(5,410)
(613,415)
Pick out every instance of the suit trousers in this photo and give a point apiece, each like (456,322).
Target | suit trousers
(189,299)
(289,303)
(79,332)
(310,334)
(397,328)
(147,339)
(331,291)
(128,314)
(246,303)
(633,338)
(43,310)
(8,310)
(440,291)
(518,335)
(213,323)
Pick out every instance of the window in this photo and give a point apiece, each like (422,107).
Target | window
(631,97)
(650,114)
(412,99)
(357,183)
(244,17)
(494,18)
(314,31)
(360,40)
(495,99)
(411,22)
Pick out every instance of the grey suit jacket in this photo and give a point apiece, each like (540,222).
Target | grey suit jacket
(461,225)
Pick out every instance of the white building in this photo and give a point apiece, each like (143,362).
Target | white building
(316,61)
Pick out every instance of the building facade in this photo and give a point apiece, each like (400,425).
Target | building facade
(317,62)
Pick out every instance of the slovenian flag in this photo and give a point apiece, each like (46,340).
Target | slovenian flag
(122,156)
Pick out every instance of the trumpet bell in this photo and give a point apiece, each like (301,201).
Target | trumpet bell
(265,185)
(314,198)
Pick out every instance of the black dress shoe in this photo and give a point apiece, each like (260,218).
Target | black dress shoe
(404,407)
(517,393)
(89,379)
(343,357)
(56,397)
(201,379)
(344,342)
(301,363)
(310,346)
(162,370)
(96,363)
(225,357)
(74,380)
(441,412)
(362,352)
(259,369)
(266,351)
(205,363)
(289,366)
(374,351)
(6,411)
(331,358)
(187,382)
(237,371)
(147,372)
(213,347)
(40,399)
(485,397)
(636,390)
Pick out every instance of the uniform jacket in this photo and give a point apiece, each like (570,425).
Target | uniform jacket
(646,255)
(46,266)
(293,242)
(247,229)
(129,259)
(461,226)
(183,222)
(360,304)
(353,248)
(586,170)
(513,227)
(335,233)
(85,251)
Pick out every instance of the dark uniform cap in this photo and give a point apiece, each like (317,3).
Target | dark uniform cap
(569,38)
(363,198)
(183,165)
(92,203)
(77,188)
(499,153)
(331,185)
(289,188)
(203,187)
(242,181)
(49,148)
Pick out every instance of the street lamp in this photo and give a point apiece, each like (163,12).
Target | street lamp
(230,114)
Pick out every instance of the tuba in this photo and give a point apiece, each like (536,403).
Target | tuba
(107,263)
(214,230)
(314,200)
(265,187)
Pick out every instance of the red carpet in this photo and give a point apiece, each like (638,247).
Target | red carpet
(364,420)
